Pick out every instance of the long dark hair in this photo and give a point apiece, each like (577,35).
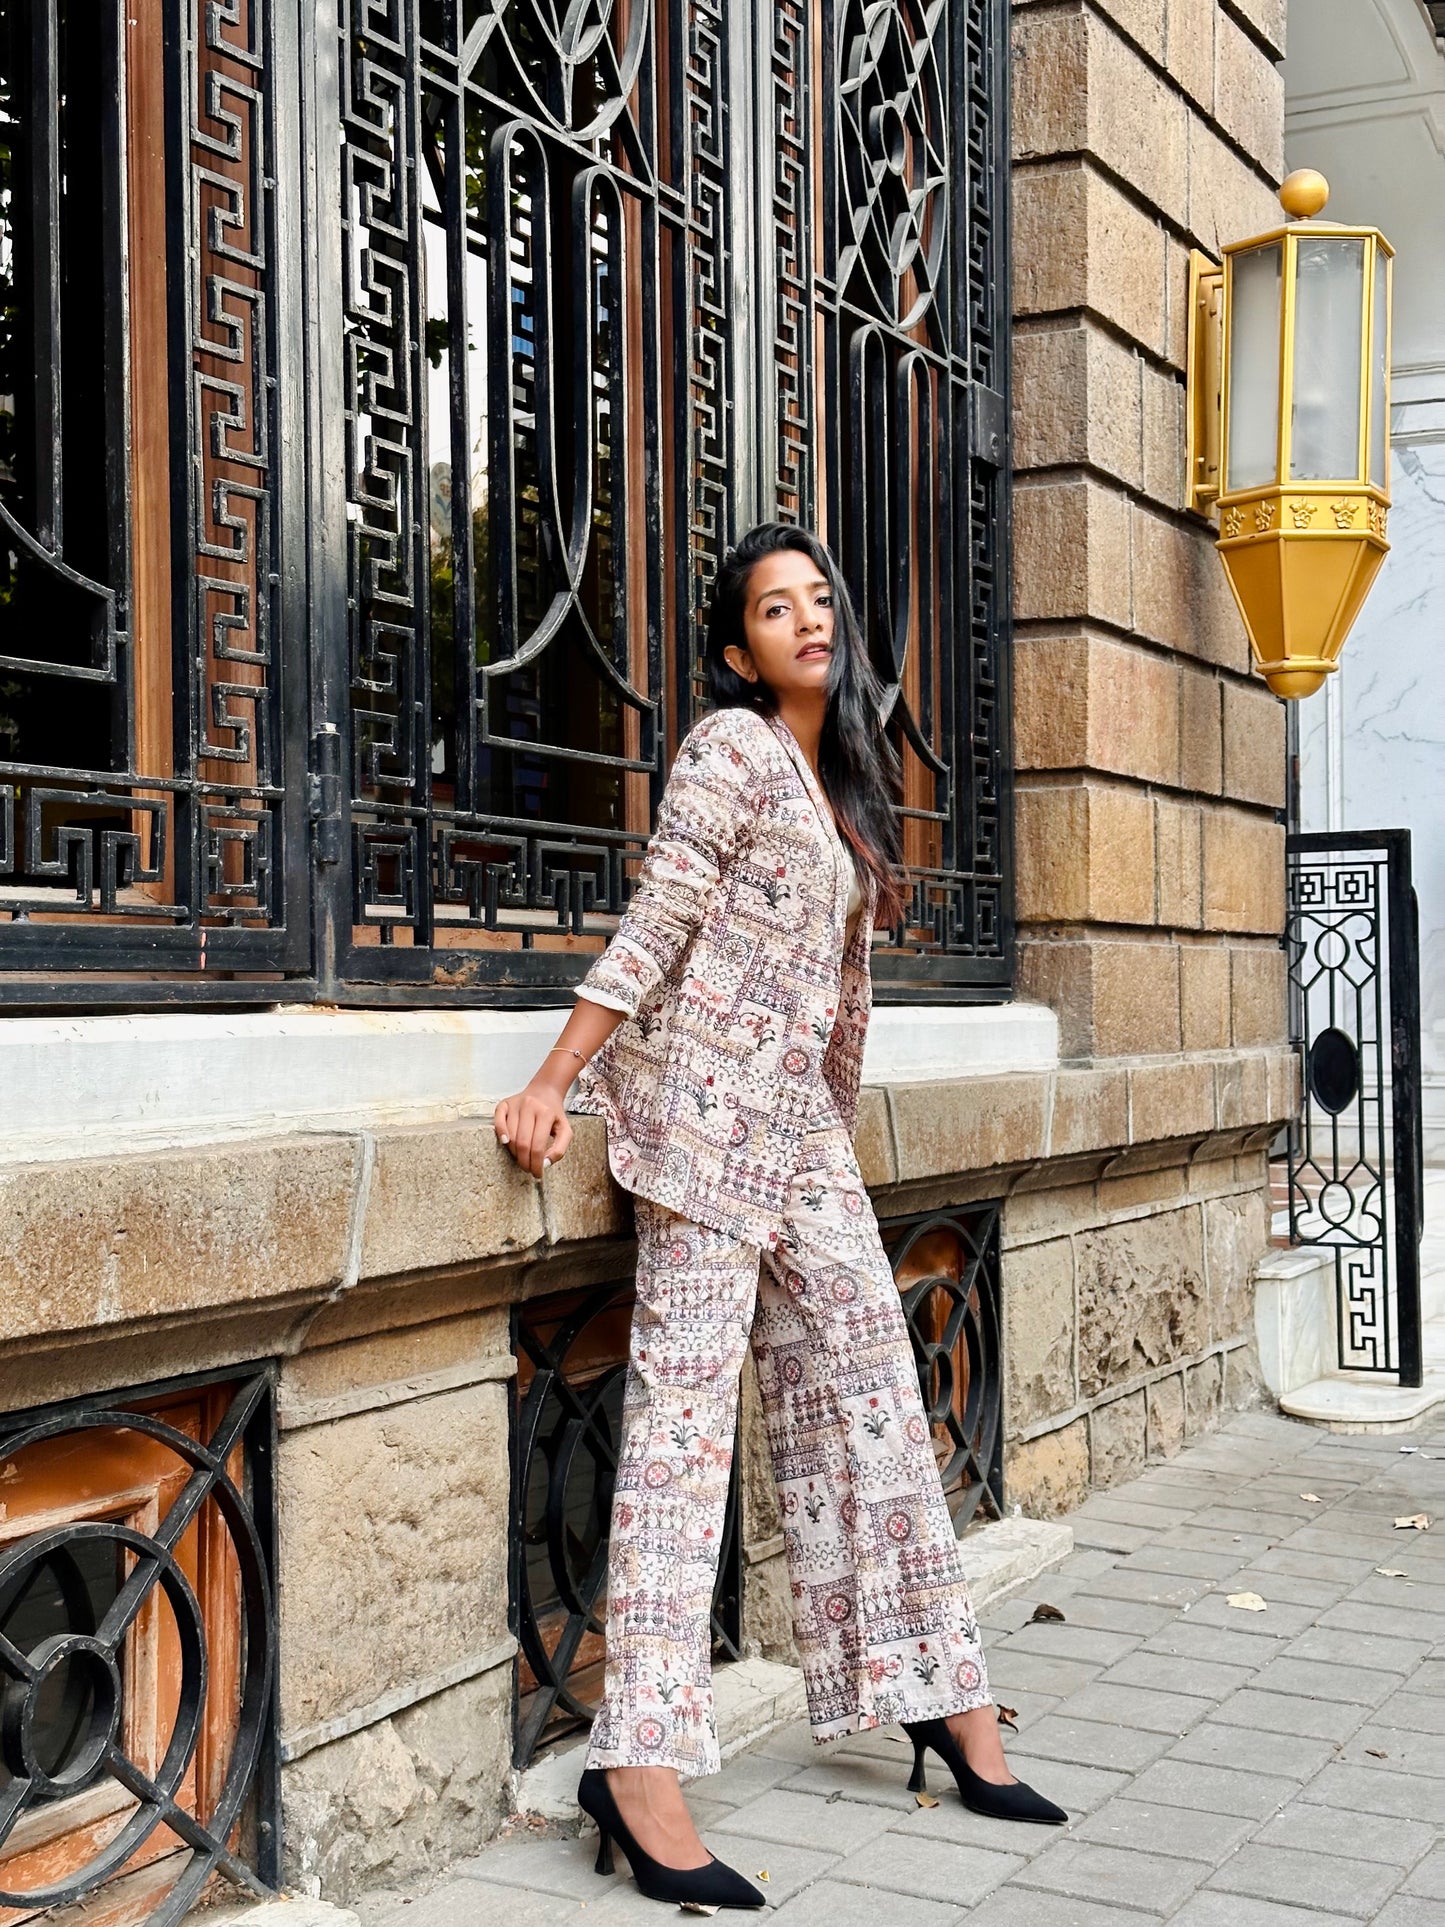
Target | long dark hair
(858,764)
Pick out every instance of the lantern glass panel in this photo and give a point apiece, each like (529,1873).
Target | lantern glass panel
(1252,459)
(1379,364)
(1328,360)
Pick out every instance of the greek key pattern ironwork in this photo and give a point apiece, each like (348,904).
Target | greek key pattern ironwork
(1353,1154)
(84,1671)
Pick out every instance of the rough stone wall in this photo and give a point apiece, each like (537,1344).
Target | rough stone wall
(1150,764)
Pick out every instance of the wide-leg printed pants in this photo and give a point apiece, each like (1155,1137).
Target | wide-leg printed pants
(881,1609)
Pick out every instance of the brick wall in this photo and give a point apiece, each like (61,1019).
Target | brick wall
(1150,763)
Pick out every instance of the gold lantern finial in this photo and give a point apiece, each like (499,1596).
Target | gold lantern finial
(1288,427)
(1303,194)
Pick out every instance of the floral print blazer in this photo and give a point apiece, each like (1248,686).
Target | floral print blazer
(746,1012)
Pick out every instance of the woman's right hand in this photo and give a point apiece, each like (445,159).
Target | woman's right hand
(534,1125)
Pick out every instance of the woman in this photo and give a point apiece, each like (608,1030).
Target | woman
(721,1037)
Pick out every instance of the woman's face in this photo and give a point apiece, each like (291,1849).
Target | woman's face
(788,624)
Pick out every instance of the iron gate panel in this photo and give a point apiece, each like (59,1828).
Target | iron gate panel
(1354,1154)
(151,793)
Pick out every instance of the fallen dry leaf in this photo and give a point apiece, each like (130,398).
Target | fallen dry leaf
(763,1874)
(1391,1572)
(1247,1602)
(926,1799)
(1009,1716)
(1045,1612)
(1375,1753)
(1313,1497)
(1413,1522)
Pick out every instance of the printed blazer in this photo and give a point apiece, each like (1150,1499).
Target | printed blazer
(746,1020)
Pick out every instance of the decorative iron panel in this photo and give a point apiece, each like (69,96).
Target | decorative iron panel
(144,764)
(85,1606)
(1354,1153)
(886,406)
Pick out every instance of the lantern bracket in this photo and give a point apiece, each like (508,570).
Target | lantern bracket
(1202,411)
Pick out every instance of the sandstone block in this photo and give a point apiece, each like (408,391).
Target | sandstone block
(1162,420)
(1170,1100)
(446,1194)
(579,1198)
(1236,1236)
(1201,731)
(1061,975)
(1085,850)
(1242,1090)
(969,1125)
(1091,1109)
(1179,881)
(1189,48)
(1038,1303)
(1049,1475)
(1076,400)
(394,1549)
(1254,748)
(396,1802)
(1143,1297)
(1051,702)
(1117,1436)
(1258,983)
(1071,551)
(1031,1217)
(768,1610)
(762,1520)
(1119,269)
(873,1140)
(1284,1085)
(1227,198)
(160,1234)
(1165,1417)
(1091,701)
(1267,17)
(1049,76)
(1181,596)
(1202,1383)
(1135,998)
(1142,20)
(1244,1384)
(1204,996)
(389,1366)
(1249,95)
(1243,872)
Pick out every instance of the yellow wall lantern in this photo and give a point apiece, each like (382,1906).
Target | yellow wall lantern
(1288,427)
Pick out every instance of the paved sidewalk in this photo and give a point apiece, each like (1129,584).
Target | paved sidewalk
(1222,1767)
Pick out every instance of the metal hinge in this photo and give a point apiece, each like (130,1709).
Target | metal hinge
(987,425)
(324,794)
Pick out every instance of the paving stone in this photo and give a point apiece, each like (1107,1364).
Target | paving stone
(1037,1673)
(789,1869)
(1219,1789)
(1359,1789)
(1408,1910)
(1071,1784)
(1323,1566)
(1393,1621)
(831,1904)
(1089,1870)
(1288,1588)
(1170,1673)
(1404,1752)
(1318,1679)
(1399,1843)
(1412,1591)
(876,1782)
(545,1866)
(1157,1588)
(1188,1638)
(801,1820)
(1238,1910)
(1272,1520)
(462,1903)
(1015,1906)
(1094,1743)
(1372,1651)
(1290,1755)
(743,1778)
(1430,1678)
(1201,1538)
(1291,1713)
(930,1869)
(1110,1536)
(1188,1562)
(1135,1706)
(1416,1712)
(1281,1617)
(1200,1836)
(1298,1878)
(1428,1878)
(952,1820)
(1089,1643)
(1120,1615)
(1131,1506)
(795,1743)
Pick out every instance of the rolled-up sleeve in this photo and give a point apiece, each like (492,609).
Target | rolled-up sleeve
(707,807)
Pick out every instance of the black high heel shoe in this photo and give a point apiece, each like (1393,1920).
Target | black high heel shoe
(711,1885)
(1015,1802)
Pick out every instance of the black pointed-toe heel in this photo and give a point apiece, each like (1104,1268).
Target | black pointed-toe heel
(1015,1802)
(712,1885)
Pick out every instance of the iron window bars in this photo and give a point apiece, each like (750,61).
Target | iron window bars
(84,1585)
(379,414)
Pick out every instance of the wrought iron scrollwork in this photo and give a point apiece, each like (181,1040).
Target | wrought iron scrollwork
(64,1699)
(1354,1153)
